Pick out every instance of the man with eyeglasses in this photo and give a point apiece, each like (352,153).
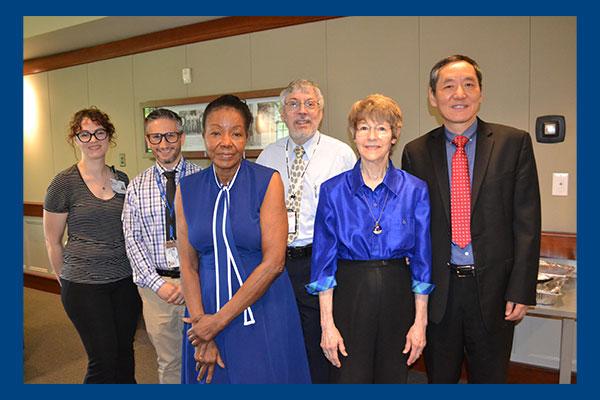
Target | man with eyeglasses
(150,238)
(305,160)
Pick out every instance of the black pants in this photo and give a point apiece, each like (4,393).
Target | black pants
(308,306)
(105,316)
(373,308)
(461,334)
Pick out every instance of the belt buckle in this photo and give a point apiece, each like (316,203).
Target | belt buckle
(293,252)
(298,252)
(464,271)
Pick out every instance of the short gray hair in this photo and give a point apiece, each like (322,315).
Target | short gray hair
(301,85)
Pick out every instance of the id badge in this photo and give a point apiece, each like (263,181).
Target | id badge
(292,221)
(118,186)
(172,255)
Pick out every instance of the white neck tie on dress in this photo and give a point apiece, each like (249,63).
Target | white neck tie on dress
(224,189)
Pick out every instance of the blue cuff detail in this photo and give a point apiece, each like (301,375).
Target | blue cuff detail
(422,287)
(321,285)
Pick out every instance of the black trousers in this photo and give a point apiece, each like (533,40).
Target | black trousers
(105,316)
(373,308)
(308,307)
(461,334)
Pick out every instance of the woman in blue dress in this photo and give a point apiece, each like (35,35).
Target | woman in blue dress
(243,325)
(371,260)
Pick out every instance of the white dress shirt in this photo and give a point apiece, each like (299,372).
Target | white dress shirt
(325,157)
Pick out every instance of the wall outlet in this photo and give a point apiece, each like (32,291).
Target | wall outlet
(122,161)
(560,184)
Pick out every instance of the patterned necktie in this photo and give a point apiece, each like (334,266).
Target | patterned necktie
(460,194)
(295,188)
(170,227)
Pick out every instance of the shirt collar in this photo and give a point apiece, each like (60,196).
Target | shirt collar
(391,180)
(177,168)
(469,133)
(309,145)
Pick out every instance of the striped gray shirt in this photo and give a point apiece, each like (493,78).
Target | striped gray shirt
(95,249)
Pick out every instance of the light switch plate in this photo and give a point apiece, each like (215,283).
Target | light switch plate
(560,184)
(186,75)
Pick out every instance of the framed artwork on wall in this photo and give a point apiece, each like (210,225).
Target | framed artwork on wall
(266,128)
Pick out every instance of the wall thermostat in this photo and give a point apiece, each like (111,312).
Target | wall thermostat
(550,129)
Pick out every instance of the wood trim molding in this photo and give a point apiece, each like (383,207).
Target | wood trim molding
(33,209)
(193,33)
(559,245)
(40,282)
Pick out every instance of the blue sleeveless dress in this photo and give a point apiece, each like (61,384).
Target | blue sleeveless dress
(263,344)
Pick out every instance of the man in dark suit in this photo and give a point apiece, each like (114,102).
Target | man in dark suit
(485,228)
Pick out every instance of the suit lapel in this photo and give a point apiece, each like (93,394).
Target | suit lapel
(437,150)
(483,150)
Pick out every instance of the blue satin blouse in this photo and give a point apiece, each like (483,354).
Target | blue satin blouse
(346,216)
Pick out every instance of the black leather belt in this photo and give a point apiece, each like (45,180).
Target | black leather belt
(395,262)
(462,271)
(171,273)
(299,252)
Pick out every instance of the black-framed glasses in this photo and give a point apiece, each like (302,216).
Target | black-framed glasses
(309,104)
(170,137)
(86,136)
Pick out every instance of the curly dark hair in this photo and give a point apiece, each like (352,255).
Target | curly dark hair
(97,116)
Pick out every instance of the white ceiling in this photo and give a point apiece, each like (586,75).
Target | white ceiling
(44,36)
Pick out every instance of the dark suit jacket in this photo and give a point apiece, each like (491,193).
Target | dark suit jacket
(505,217)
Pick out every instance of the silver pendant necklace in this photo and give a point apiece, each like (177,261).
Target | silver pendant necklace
(377,229)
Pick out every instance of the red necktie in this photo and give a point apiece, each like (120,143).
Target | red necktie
(460,194)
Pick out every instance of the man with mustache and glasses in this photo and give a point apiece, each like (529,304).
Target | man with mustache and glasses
(305,160)
(150,238)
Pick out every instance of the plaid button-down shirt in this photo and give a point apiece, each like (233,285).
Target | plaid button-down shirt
(144,224)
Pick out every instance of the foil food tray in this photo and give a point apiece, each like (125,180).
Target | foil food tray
(555,270)
(549,291)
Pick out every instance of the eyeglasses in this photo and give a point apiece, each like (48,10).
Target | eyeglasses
(85,136)
(363,130)
(170,137)
(309,104)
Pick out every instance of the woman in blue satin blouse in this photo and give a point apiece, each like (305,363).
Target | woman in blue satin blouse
(371,260)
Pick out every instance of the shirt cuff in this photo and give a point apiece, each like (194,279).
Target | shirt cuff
(156,283)
(422,287)
(321,284)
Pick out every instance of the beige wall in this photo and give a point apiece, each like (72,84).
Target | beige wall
(529,67)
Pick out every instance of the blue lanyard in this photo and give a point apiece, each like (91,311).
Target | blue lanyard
(163,193)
